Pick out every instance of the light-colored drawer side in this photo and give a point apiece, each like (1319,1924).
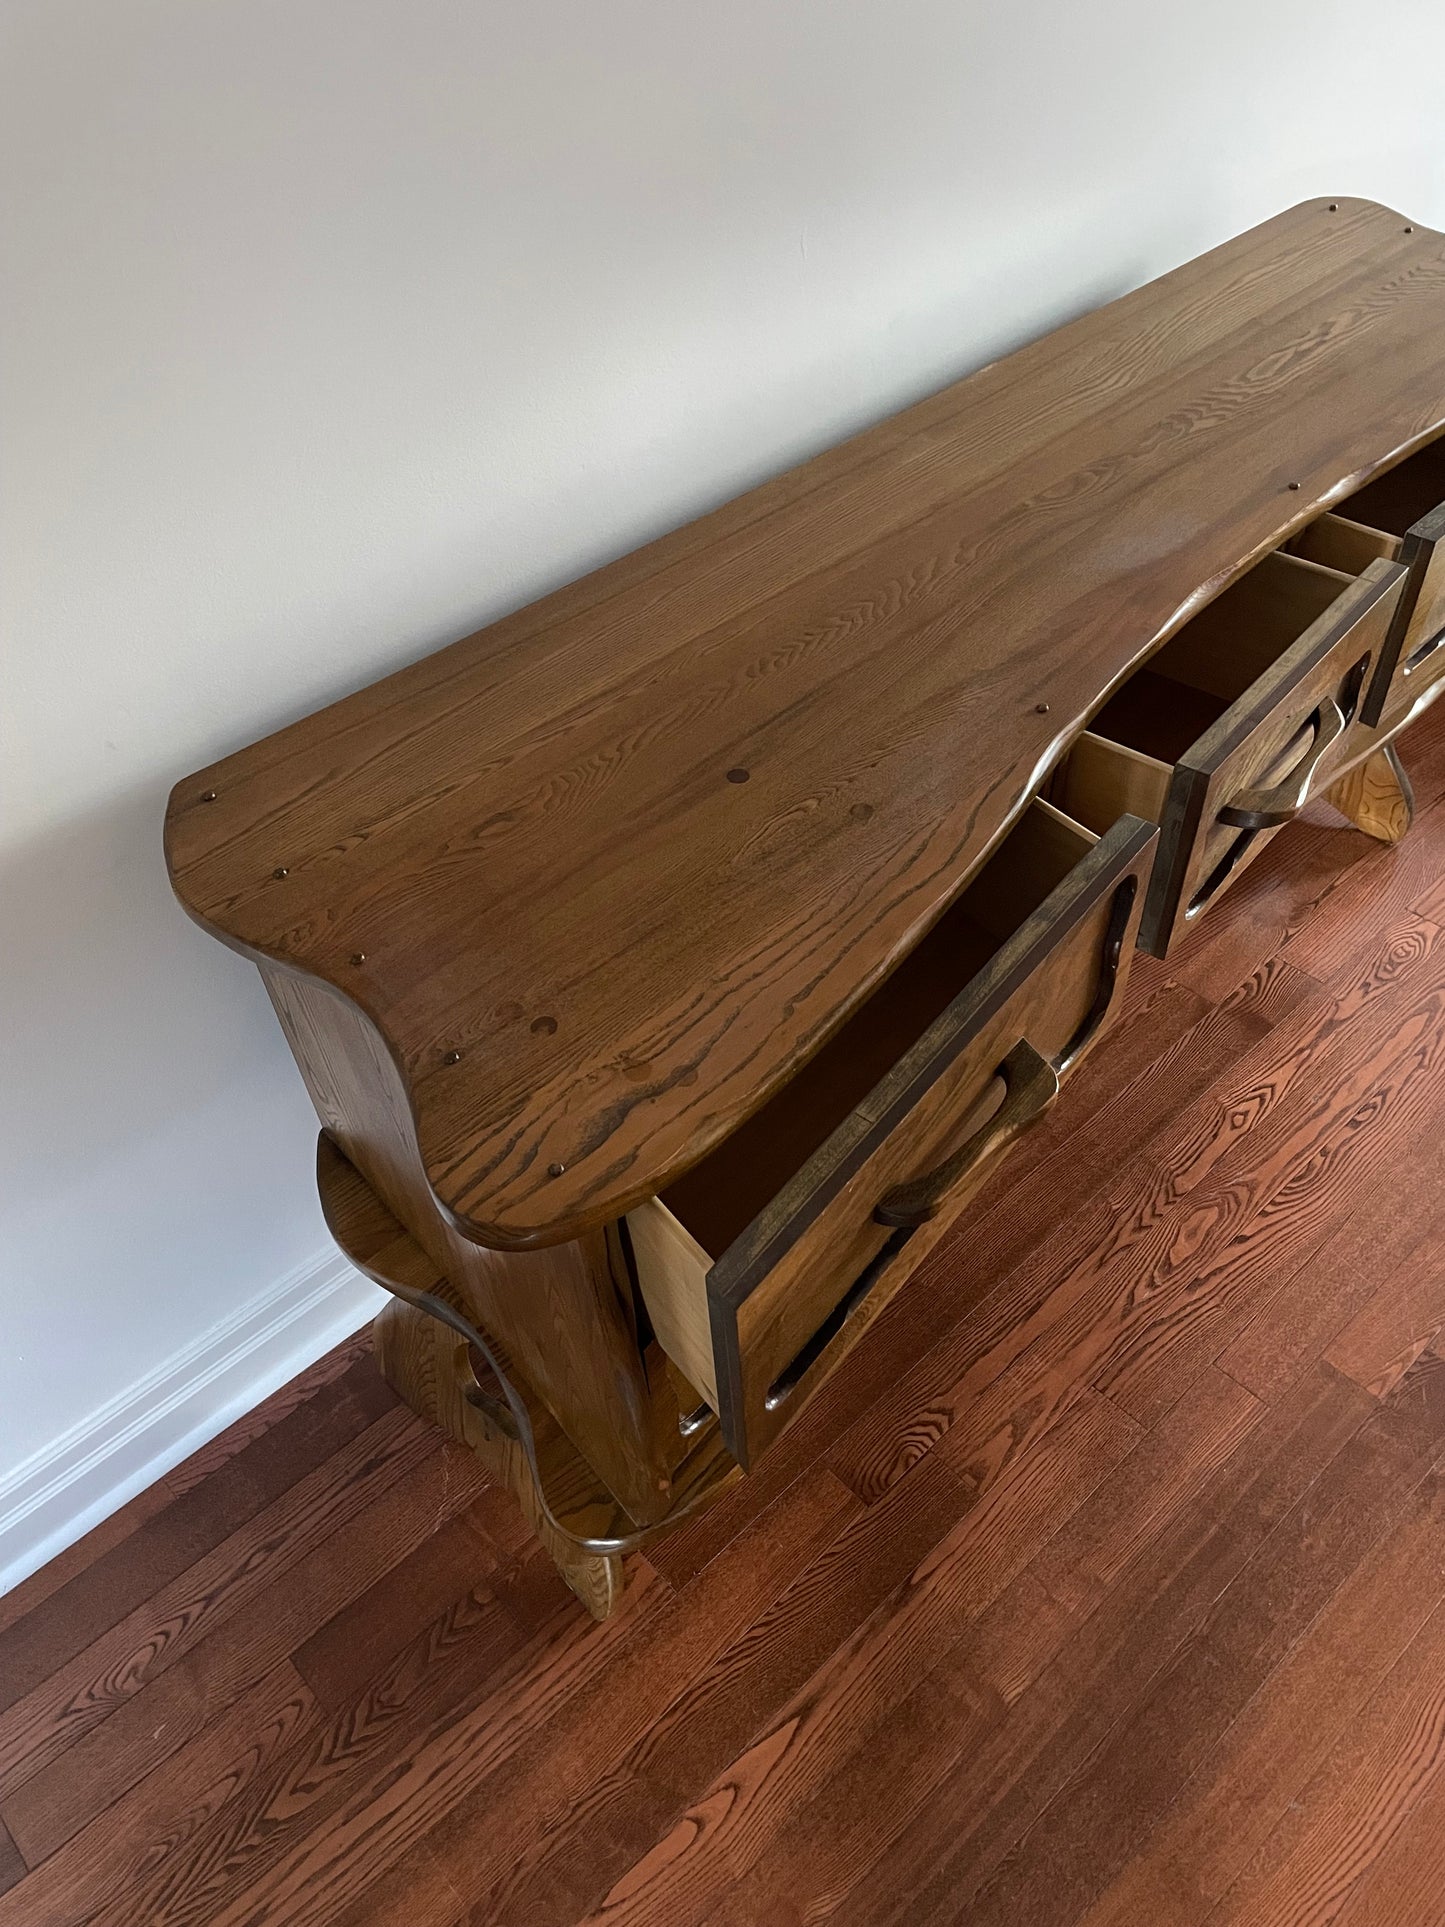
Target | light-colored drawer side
(672,1270)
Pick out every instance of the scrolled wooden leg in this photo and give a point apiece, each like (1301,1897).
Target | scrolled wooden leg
(428,1366)
(1376,796)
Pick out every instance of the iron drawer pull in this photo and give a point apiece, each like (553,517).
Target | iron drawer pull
(806,1357)
(1031,1084)
(1426,649)
(1267,809)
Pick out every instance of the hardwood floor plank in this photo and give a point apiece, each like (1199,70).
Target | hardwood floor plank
(1088,1683)
(804,1864)
(1423,748)
(529,1589)
(52,1578)
(405,1894)
(1359,1261)
(1172,1472)
(1357,1803)
(1238,1795)
(837,1777)
(336,1364)
(1010,1229)
(1371,1090)
(690,1872)
(12,1867)
(867,1370)
(591,1822)
(1403,1884)
(1380,887)
(1145,1047)
(137,1648)
(144,1729)
(357,1642)
(215,1871)
(1171,1466)
(184,1531)
(1277,896)
(1401,1318)
(377,1781)
(1087,1833)
(91,1874)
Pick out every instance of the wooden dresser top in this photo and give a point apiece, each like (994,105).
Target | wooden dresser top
(603,874)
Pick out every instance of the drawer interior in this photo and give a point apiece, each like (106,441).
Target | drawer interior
(1125,759)
(1217,655)
(1390,518)
(1373,521)
(720,1197)
(1396,500)
(1099,781)
(1407,508)
(1344,544)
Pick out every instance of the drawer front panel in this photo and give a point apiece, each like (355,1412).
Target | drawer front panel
(1412,663)
(793,1294)
(1280,744)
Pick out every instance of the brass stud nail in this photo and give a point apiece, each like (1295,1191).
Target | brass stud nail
(555,1170)
(1409,230)
(1041,709)
(452,1057)
(738,775)
(1334,207)
(208,796)
(1292,485)
(280,871)
(358,958)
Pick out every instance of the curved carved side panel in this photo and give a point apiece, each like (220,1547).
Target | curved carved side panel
(434,1363)
(559,1312)
(428,1365)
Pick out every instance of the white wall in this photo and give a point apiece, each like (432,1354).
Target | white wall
(340,327)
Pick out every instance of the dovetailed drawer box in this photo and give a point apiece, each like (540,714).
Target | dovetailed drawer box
(1400,516)
(1247,712)
(762,1267)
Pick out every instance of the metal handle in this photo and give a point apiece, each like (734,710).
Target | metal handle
(1110,959)
(1423,654)
(1030,1085)
(1267,809)
(806,1357)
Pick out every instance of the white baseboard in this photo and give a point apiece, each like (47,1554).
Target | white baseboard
(56,1495)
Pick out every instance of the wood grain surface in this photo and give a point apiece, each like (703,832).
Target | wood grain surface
(1100,1586)
(605,874)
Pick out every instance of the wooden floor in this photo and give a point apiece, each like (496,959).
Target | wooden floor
(1106,1584)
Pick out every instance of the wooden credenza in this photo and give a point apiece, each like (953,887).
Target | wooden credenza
(670,962)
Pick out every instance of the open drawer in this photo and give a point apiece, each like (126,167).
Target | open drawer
(1404,511)
(765,1263)
(1252,708)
